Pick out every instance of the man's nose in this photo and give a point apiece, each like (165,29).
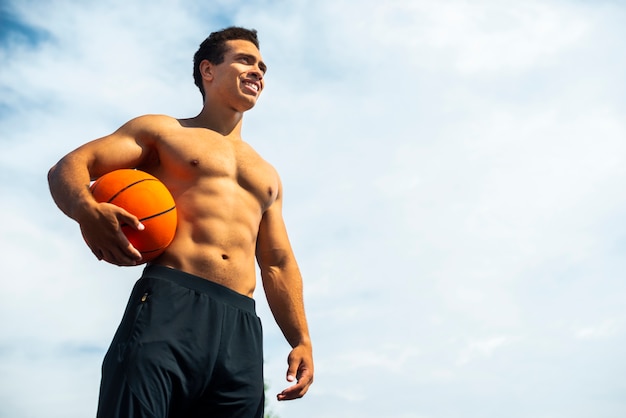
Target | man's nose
(257,73)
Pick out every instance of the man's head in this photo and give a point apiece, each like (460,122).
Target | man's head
(215,46)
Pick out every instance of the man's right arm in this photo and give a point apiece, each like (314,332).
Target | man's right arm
(69,183)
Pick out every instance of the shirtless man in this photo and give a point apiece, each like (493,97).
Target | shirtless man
(190,342)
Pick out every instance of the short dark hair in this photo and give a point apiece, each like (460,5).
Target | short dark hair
(213,48)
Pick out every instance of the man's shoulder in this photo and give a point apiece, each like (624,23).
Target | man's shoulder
(150,126)
(155,119)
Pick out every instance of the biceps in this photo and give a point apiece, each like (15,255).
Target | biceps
(273,246)
(111,153)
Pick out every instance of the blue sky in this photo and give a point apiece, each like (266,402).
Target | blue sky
(454,179)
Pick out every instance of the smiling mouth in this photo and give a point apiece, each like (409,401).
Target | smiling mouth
(251,86)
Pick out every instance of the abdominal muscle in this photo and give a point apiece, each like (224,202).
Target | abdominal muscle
(215,239)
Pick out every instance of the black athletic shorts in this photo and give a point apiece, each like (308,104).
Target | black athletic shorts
(186,348)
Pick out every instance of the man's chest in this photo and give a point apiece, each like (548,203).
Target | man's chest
(196,161)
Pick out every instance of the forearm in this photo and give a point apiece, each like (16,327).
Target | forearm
(69,186)
(283,288)
(284,292)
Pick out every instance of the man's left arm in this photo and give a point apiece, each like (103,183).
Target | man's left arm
(282,282)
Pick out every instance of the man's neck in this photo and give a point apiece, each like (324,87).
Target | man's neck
(224,121)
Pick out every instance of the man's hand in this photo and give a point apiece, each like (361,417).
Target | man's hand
(102,231)
(301,371)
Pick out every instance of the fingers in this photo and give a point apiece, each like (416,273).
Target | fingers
(124,256)
(135,223)
(299,389)
(129,254)
(119,252)
(292,371)
(300,370)
(98,253)
(106,239)
(127,218)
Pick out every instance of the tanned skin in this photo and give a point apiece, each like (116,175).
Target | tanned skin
(228,199)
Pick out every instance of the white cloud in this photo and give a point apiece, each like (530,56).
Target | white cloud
(607,328)
(452,174)
(484,347)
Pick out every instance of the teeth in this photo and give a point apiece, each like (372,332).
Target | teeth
(253,85)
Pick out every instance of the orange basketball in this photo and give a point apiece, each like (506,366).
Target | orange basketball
(148,199)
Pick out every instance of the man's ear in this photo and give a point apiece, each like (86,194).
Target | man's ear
(206,70)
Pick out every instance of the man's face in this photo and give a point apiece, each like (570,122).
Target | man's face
(239,79)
